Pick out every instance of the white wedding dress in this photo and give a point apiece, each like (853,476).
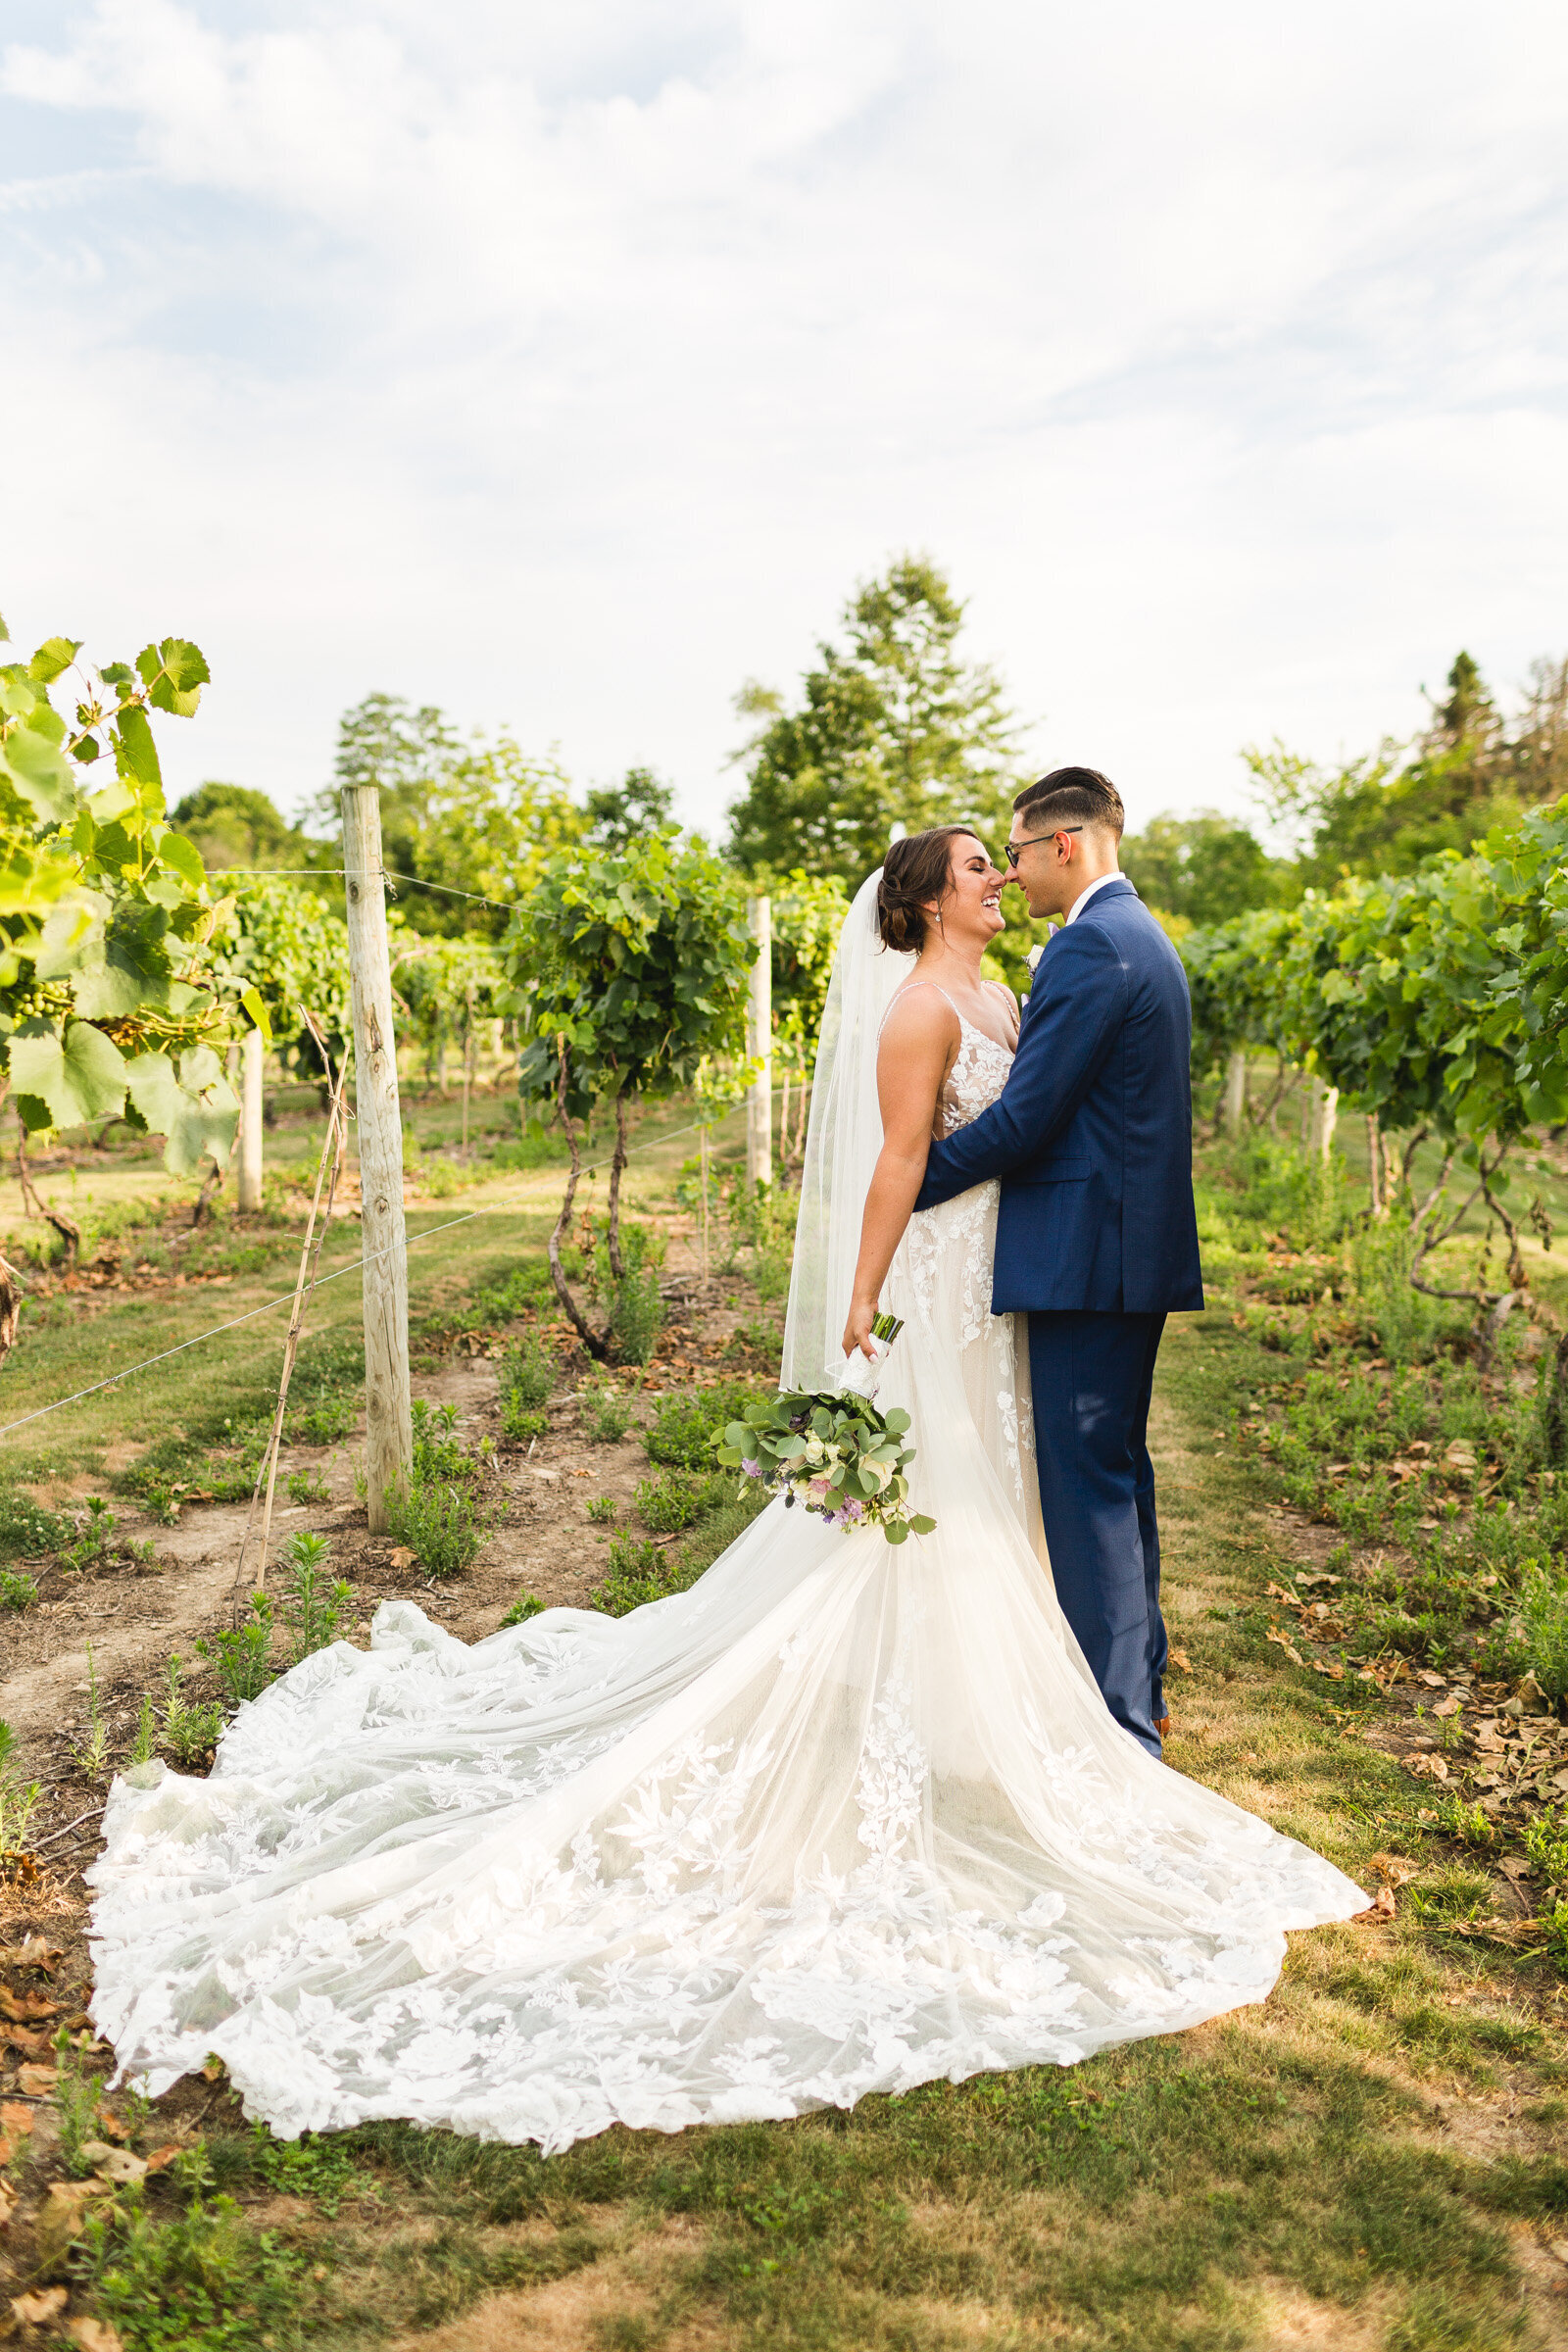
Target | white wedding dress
(846,1817)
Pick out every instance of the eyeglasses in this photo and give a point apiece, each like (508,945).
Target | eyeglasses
(1011,851)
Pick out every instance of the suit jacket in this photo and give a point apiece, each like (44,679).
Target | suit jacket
(1093,1135)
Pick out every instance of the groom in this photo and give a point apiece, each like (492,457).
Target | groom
(1097,1237)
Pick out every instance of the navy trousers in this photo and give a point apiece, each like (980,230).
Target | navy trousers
(1092,1376)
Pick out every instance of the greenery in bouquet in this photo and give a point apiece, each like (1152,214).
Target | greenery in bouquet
(835,1454)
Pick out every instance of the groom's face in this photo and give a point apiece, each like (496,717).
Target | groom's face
(1045,869)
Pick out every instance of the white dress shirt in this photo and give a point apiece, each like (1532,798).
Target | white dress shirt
(1084,897)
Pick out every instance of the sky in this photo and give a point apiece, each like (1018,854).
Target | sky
(568,367)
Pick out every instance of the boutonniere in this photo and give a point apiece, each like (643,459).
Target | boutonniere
(1035,953)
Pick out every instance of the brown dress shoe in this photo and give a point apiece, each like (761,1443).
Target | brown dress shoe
(1162,1726)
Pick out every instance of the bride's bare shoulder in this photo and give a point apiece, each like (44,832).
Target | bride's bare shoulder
(919,1017)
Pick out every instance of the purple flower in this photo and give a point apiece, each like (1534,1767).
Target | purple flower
(853,1509)
(751,1469)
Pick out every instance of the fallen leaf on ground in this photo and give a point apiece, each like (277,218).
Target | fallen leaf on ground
(8,2201)
(40,2308)
(404,1557)
(1179,1657)
(22,2037)
(16,2121)
(60,2223)
(1378,1913)
(1426,1768)
(95,2335)
(119,2164)
(20,2007)
(38,2081)
(37,1951)
(162,2157)
(1394,1868)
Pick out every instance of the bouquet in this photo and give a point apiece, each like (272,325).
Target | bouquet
(835,1454)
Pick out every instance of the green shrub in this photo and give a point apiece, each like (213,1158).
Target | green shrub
(17,1592)
(636,1316)
(439,1521)
(686,1422)
(674,1499)
(199,2281)
(526,1606)
(27,1529)
(639,1572)
(242,1653)
(307,1485)
(601,1510)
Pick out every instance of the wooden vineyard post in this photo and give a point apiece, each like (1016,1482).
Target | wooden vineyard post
(759,1048)
(388,1414)
(252,1057)
(1324,1119)
(1235,1092)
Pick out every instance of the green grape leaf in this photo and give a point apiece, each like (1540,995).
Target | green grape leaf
(133,970)
(72,929)
(81,1076)
(250,998)
(137,753)
(54,655)
(173,1107)
(111,801)
(40,772)
(177,686)
(184,858)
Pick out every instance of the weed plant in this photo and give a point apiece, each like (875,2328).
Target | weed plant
(307,1485)
(17,1592)
(145,1745)
(639,1571)
(187,1733)
(601,1510)
(605,1416)
(313,1608)
(27,1529)
(526,1606)
(200,2280)
(76,2102)
(686,1422)
(241,1654)
(437,1514)
(18,1799)
(91,1758)
(673,1499)
(528,1376)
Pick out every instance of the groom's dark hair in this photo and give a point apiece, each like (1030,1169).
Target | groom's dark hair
(1072,796)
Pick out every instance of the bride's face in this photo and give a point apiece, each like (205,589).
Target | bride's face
(971,908)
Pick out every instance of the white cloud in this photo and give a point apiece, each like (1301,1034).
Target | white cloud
(566,367)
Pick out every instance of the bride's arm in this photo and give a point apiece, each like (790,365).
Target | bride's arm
(914,1059)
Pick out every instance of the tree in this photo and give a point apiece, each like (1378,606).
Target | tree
(1467,773)
(629,972)
(234,826)
(473,824)
(618,815)
(1205,867)
(891,728)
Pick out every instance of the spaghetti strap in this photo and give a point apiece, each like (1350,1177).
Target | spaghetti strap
(909,988)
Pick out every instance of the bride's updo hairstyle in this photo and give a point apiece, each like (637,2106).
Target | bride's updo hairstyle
(915,871)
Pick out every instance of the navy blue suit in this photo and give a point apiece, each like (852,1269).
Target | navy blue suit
(1097,1239)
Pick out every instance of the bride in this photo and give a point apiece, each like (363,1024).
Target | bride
(846,1817)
